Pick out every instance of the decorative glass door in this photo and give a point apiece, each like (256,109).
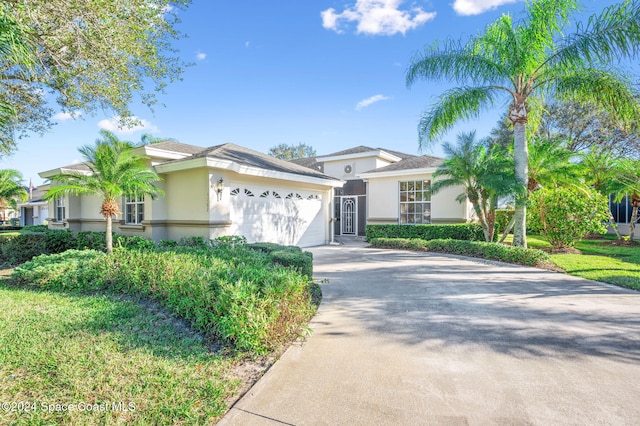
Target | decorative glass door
(348,216)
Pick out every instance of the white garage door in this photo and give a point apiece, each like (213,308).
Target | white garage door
(288,218)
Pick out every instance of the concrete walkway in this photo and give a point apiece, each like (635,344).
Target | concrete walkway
(405,338)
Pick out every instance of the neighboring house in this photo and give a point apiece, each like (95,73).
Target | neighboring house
(621,212)
(387,187)
(211,192)
(34,211)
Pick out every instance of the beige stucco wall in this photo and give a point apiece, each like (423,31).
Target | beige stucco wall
(360,165)
(384,197)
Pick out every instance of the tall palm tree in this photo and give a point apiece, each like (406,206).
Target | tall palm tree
(484,173)
(526,61)
(11,189)
(115,170)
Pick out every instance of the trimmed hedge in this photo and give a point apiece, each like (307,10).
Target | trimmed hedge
(18,248)
(481,249)
(463,231)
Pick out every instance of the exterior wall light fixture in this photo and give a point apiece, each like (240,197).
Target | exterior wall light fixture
(219,187)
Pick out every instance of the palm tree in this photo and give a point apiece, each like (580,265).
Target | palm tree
(11,189)
(626,182)
(526,61)
(115,170)
(601,168)
(550,165)
(485,174)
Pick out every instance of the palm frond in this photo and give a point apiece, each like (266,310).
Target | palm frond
(605,89)
(460,103)
(454,61)
(609,36)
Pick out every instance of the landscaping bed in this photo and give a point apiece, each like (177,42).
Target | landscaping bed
(179,331)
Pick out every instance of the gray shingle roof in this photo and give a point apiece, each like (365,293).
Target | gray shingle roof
(309,162)
(313,163)
(249,157)
(174,146)
(410,163)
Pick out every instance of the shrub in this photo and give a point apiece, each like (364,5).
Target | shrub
(35,228)
(232,240)
(464,231)
(59,241)
(22,247)
(236,293)
(89,240)
(167,244)
(66,270)
(133,242)
(566,215)
(494,251)
(193,242)
(503,217)
(290,256)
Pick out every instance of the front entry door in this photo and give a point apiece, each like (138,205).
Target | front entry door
(349,216)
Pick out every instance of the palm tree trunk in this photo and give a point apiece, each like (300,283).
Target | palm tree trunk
(632,224)
(614,226)
(109,236)
(521,160)
(508,229)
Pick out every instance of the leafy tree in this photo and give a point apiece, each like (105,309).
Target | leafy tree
(11,189)
(526,61)
(566,215)
(291,152)
(484,173)
(116,170)
(582,127)
(90,54)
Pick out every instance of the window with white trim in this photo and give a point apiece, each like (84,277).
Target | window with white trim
(59,210)
(134,210)
(415,202)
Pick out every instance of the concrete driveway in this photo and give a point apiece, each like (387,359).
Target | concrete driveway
(405,338)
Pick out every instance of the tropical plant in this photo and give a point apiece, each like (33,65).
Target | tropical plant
(485,174)
(11,189)
(550,165)
(526,61)
(566,215)
(115,170)
(600,168)
(626,182)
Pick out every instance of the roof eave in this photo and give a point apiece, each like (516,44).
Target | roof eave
(396,173)
(378,153)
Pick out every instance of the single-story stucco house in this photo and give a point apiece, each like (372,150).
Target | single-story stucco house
(231,190)
(387,187)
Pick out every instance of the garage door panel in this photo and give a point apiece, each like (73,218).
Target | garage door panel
(293,221)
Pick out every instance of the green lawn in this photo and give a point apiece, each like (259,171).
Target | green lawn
(58,348)
(599,261)
(618,265)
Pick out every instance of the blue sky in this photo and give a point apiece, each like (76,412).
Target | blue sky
(329,73)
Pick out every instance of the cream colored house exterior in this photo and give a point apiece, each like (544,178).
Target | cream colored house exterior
(212,192)
(387,187)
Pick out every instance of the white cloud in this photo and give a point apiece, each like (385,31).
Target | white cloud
(476,7)
(64,116)
(372,100)
(201,56)
(377,17)
(128,126)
